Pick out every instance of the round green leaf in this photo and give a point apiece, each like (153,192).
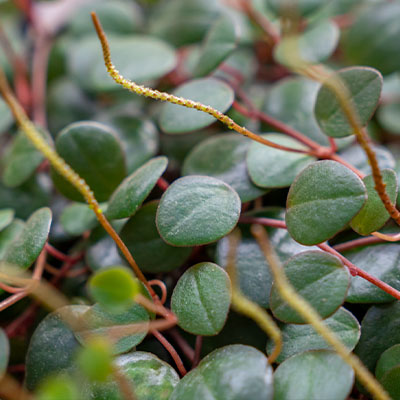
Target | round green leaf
(364,86)
(97,320)
(217,46)
(374,215)
(201,299)
(390,381)
(26,247)
(4,352)
(364,47)
(197,210)
(299,338)
(223,157)
(6,217)
(322,200)
(299,7)
(209,91)
(143,240)
(319,278)
(9,234)
(273,168)
(390,358)
(152,378)
(318,374)
(78,218)
(229,373)
(134,189)
(389,117)
(94,152)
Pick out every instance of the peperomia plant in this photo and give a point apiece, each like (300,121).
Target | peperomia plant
(234,239)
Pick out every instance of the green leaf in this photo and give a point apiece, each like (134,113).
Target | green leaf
(318,374)
(223,157)
(143,240)
(6,118)
(78,218)
(273,168)
(6,217)
(374,215)
(98,319)
(94,152)
(9,234)
(103,254)
(390,358)
(373,341)
(299,338)
(53,346)
(299,7)
(217,46)
(59,387)
(209,91)
(382,262)
(364,86)
(389,117)
(314,45)
(134,189)
(27,246)
(201,299)
(319,278)
(4,352)
(364,47)
(197,210)
(114,288)
(152,378)
(322,200)
(212,379)
(390,381)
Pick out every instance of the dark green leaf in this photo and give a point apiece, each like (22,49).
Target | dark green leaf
(197,210)
(319,278)
(322,200)
(390,381)
(390,358)
(94,152)
(212,379)
(143,240)
(223,157)
(364,86)
(6,118)
(318,374)
(134,189)
(27,246)
(209,91)
(6,217)
(4,352)
(78,218)
(9,234)
(201,299)
(299,338)
(273,168)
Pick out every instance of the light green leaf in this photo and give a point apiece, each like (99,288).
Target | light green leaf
(4,352)
(6,217)
(78,218)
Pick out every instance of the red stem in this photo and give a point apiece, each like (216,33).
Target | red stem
(162,184)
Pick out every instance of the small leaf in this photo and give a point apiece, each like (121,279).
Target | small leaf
(299,338)
(322,200)
(4,352)
(201,299)
(374,215)
(59,387)
(313,375)
(134,189)
(9,234)
(6,217)
(217,46)
(197,210)
(390,358)
(94,152)
(114,288)
(26,247)
(364,86)
(223,157)
(231,373)
(78,218)
(319,278)
(273,168)
(209,91)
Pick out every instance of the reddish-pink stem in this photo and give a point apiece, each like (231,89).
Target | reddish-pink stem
(197,351)
(162,184)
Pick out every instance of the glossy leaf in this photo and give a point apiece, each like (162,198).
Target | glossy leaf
(223,157)
(209,91)
(299,338)
(78,218)
(6,217)
(273,168)
(322,200)
(4,352)
(134,189)
(94,152)
(197,210)
(374,215)
(389,359)
(212,379)
(143,240)
(201,299)
(382,262)
(319,278)
(27,246)
(217,46)
(364,86)
(313,375)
